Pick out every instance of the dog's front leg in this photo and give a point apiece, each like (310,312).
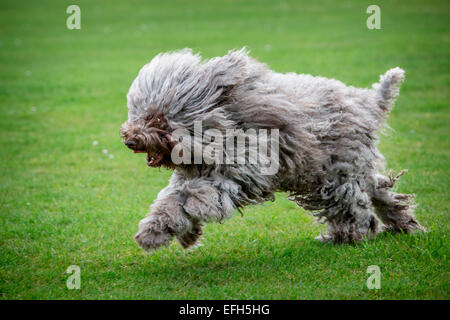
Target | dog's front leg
(205,200)
(190,238)
(181,209)
(165,220)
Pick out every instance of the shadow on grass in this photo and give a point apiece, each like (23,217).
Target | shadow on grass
(278,261)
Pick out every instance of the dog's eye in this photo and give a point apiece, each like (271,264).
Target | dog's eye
(158,119)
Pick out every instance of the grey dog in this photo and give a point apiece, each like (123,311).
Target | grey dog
(327,157)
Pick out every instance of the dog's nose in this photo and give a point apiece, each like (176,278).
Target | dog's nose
(130,143)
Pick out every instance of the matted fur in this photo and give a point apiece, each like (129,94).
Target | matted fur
(328,159)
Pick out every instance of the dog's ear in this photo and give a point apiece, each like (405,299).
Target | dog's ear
(206,85)
(228,70)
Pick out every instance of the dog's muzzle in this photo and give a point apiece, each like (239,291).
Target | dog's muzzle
(130,143)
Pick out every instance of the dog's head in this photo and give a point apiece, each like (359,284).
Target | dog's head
(150,135)
(174,90)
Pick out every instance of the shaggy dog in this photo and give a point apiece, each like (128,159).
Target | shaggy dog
(327,157)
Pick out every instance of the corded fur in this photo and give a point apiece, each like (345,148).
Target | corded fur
(328,159)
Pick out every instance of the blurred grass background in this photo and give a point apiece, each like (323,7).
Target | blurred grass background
(65,202)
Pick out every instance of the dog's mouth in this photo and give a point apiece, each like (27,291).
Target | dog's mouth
(154,159)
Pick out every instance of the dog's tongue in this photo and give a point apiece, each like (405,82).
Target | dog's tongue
(136,151)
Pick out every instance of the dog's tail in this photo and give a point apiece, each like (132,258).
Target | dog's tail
(388,88)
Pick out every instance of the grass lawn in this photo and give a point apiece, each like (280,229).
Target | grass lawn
(65,202)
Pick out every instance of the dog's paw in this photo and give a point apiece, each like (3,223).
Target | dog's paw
(411,226)
(149,239)
(324,238)
(189,240)
(151,235)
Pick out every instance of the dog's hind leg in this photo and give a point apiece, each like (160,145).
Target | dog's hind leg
(395,210)
(349,226)
(349,217)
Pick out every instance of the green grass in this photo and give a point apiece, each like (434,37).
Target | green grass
(63,202)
